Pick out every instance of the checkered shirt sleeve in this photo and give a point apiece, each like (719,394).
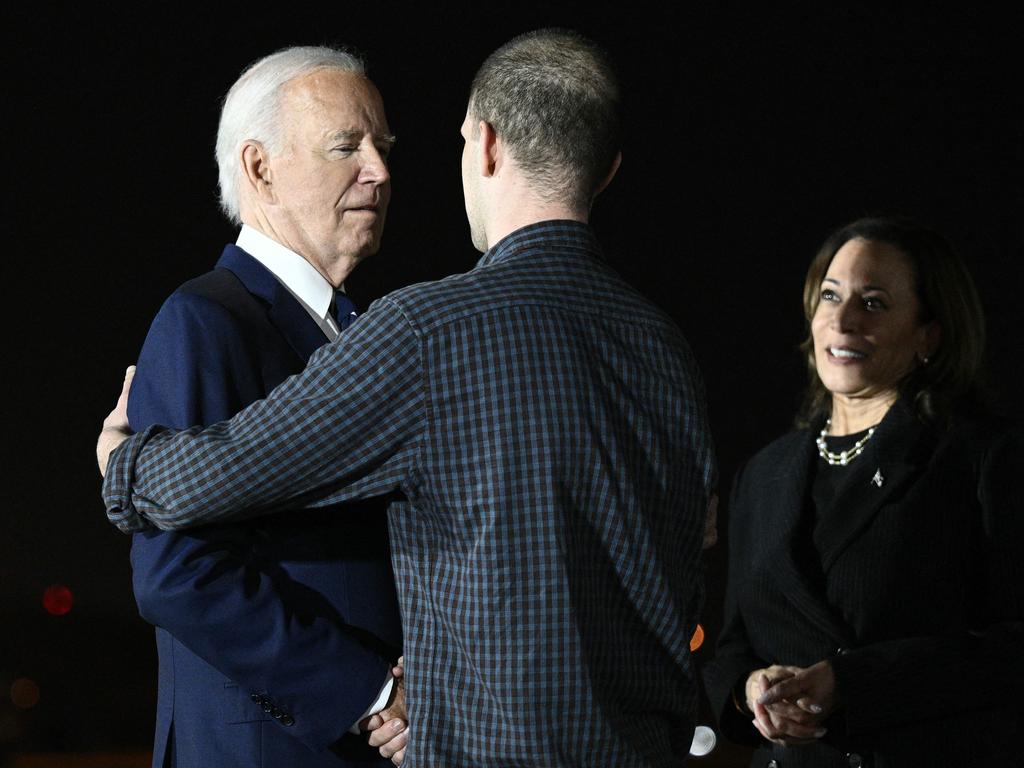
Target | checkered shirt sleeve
(320,438)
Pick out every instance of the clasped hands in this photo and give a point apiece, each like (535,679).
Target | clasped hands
(389,728)
(790,703)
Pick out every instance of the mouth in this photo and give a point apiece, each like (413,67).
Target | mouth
(845,354)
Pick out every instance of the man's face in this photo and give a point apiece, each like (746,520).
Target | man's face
(330,178)
(471,183)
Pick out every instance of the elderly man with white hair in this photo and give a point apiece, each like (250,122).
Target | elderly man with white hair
(276,636)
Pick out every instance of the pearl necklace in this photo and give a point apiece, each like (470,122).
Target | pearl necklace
(843,457)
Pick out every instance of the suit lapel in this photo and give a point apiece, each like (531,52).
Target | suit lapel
(786,495)
(295,324)
(284,311)
(893,457)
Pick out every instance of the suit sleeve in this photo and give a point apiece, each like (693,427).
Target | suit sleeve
(734,658)
(208,588)
(912,679)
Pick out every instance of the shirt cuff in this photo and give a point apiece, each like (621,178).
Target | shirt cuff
(120,477)
(379,703)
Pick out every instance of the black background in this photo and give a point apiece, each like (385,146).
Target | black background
(750,135)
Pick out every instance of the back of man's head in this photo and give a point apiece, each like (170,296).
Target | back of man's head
(552,97)
(252,108)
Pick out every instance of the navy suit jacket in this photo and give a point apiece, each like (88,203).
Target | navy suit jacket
(274,636)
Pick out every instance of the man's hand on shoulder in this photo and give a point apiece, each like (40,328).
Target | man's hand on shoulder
(115,427)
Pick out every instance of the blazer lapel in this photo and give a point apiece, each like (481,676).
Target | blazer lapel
(894,456)
(295,324)
(786,496)
(284,311)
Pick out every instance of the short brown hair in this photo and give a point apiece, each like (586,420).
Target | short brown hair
(553,97)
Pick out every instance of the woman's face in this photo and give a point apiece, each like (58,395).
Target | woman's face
(867,330)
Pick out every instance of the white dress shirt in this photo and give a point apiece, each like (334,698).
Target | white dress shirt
(297,275)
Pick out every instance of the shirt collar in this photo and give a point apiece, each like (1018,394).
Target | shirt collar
(295,273)
(557,232)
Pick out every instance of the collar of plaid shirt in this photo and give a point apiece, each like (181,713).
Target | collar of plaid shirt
(567,232)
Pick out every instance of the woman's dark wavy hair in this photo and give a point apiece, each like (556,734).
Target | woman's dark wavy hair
(952,377)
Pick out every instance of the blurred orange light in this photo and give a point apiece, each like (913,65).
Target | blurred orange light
(24,693)
(698,638)
(57,599)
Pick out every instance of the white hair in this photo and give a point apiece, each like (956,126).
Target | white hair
(252,109)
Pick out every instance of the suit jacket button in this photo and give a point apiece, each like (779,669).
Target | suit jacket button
(287,720)
(267,706)
(256,697)
(854,760)
(276,713)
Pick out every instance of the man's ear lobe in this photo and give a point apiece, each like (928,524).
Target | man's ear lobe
(491,150)
(616,162)
(255,167)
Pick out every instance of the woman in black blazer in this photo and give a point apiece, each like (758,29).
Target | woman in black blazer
(875,606)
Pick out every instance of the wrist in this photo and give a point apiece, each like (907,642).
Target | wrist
(739,697)
(110,439)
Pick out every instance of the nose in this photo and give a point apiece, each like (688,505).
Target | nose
(846,317)
(375,168)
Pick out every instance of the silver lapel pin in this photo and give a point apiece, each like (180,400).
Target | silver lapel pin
(878,479)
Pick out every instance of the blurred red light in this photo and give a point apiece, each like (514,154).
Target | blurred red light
(57,599)
(24,693)
(698,638)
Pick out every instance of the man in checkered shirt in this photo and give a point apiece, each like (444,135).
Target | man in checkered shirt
(540,429)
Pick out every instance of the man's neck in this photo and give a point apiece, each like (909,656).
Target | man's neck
(334,271)
(508,221)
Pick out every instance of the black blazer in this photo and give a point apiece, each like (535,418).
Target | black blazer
(917,596)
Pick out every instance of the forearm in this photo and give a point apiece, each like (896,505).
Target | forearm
(168,487)
(735,657)
(726,675)
(344,428)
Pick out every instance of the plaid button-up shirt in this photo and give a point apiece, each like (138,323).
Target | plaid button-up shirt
(541,430)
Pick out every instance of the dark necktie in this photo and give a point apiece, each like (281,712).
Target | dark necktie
(343,309)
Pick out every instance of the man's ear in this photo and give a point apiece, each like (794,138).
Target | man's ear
(256,170)
(492,151)
(616,162)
